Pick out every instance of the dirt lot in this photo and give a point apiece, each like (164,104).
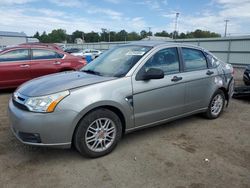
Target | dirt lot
(171,155)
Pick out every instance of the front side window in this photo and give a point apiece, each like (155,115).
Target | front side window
(44,54)
(193,59)
(117,62)
(166,60)
(15,55)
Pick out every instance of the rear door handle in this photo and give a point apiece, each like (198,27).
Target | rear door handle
(176,79)
(57,63)
(209,72)
(24,66)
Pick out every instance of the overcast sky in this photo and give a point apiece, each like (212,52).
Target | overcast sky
(30,16)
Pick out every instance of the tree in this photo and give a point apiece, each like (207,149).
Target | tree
(77,34)
(182,36)
(112,36)
(60,35)
(133,36)
(202,34)
(37,35)
(162,34)
(44,37)
(143,34)
(57,35)
(92,37)
(122,35)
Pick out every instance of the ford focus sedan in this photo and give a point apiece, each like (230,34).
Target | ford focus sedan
(129,87)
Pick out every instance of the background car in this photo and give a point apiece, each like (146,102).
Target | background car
(246,76)
(244,90)
(72,50)
(88,52)
(27,61)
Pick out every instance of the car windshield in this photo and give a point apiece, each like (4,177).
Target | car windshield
(116,62)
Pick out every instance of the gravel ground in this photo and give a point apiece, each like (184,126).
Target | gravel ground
(189,153)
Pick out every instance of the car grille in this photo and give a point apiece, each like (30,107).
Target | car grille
(20,106)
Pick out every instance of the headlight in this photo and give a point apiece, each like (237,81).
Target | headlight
(45,103)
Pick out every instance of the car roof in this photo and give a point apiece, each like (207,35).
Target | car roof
(37,44)
(30,46)
(151,43)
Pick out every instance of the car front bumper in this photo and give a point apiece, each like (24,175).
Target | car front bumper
(42,129)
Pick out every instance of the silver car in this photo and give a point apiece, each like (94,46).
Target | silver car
(129,87)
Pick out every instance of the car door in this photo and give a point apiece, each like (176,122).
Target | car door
(14,67)
(199,79)
(44,61)
(157,100)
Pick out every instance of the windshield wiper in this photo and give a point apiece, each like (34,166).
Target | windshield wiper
(92,72)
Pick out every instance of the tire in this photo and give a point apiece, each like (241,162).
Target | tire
(98,129)
(215,109)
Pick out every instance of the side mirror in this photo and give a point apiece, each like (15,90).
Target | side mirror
(151,73)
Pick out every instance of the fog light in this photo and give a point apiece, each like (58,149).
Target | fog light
(29,137)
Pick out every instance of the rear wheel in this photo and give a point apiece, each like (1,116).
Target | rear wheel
(98,133)
(216,105)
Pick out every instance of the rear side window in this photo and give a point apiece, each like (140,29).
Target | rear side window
(15,55)
(45,54)
(212,61)
(193,59)
(166,60)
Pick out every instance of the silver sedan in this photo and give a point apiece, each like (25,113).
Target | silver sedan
(129,87)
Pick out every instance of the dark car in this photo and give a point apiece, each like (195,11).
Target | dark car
(72,50)
(244,90)
(27,61)
(246,76)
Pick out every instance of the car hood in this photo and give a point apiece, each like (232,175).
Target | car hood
(59,82)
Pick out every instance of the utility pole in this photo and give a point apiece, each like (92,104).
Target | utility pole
(104,31)
(83,37)
(109,35)
(225,35)
(175,25)
(149,30)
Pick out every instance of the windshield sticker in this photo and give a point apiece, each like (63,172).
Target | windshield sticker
(140,53)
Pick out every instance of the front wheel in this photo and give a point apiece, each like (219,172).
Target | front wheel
(216,105)
(98,133)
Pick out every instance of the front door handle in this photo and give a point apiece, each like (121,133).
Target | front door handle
(24,66)
(57,63)
(209,72)
(176,79)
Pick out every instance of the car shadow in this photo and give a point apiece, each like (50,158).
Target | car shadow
(6,91)
(243,98)
(42,153)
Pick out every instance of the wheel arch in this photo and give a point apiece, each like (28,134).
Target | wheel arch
(112,108)
(225,92)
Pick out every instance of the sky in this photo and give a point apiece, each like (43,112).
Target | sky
(30,16)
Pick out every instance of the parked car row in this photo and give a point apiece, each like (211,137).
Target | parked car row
(129,87)
(27,61)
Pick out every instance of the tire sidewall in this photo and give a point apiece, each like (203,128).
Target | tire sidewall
(79,138)
(209,113)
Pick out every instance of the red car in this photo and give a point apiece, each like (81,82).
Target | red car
(27,61)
